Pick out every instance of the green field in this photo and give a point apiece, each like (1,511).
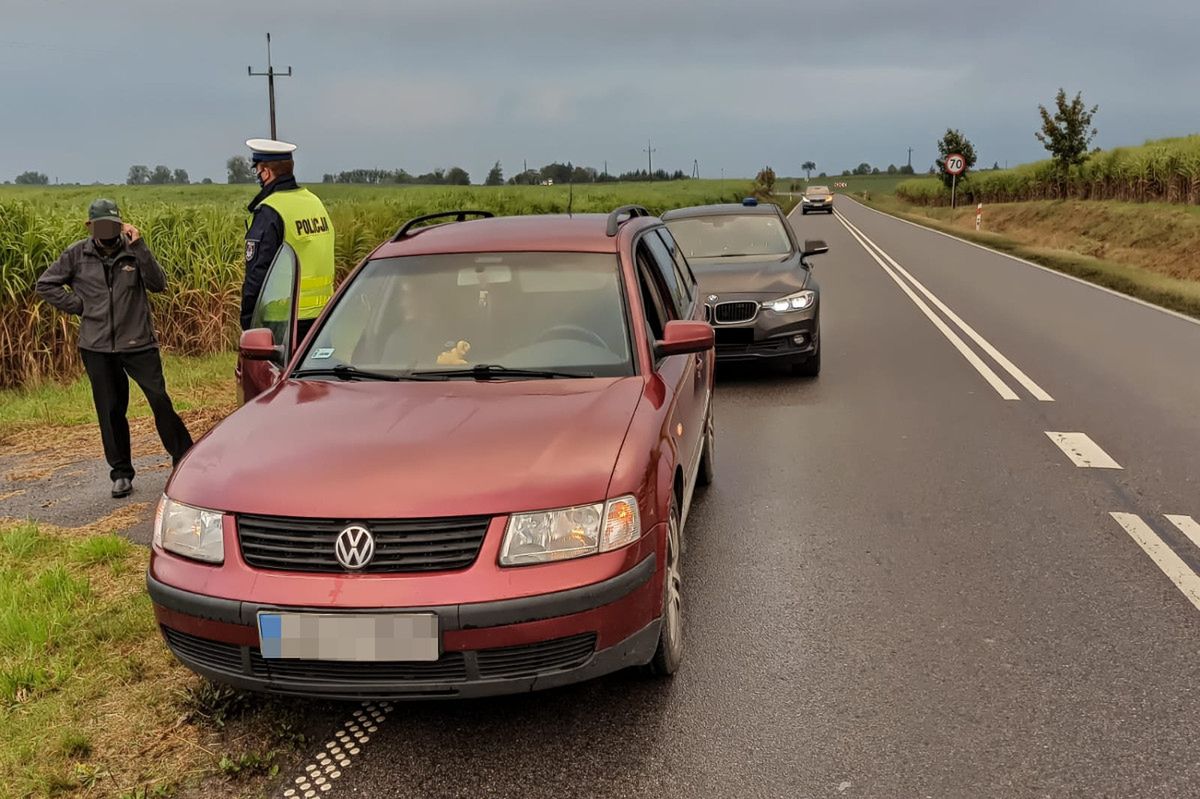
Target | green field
(855,184)
(197,231)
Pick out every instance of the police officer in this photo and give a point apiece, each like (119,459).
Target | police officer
(103,279)
(283,212)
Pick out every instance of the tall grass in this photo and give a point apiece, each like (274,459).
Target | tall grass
(196,232)
(1167,170)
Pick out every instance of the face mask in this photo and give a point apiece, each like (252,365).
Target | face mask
(262,181)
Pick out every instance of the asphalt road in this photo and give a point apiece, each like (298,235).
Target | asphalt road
(900,585)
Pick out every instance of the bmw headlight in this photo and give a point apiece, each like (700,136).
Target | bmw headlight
(793,302)
(191,532)
(570,532)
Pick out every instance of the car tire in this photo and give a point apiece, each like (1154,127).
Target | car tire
(810,366)
(803,212)
(670,635)
(708,453)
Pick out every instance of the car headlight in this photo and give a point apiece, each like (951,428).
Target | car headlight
(793,302)
(806,199)
(570,532)
(191,532)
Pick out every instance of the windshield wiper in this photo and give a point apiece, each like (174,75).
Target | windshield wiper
(347,372)
(487,371)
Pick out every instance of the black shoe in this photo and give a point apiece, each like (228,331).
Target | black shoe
(122,487)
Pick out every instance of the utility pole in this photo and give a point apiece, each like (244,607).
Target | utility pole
(696,168)
(649,151)
(910,159)
(270,75)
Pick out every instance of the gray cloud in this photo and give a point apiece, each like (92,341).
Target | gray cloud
(88,90)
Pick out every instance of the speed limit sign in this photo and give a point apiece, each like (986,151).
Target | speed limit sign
(955,164)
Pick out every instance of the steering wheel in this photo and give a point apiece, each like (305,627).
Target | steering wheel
(573,331)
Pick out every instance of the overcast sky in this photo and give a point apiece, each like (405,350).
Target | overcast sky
(87,88)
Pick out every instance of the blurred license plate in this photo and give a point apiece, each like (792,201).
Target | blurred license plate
(363,637)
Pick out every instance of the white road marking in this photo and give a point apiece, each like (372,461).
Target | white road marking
(984,370)
(1054,272)
(1082,451)
(326,766)
(1033,388)
(1188,526)
(1163,556)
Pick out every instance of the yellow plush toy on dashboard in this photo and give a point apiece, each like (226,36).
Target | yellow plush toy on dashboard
(456,356)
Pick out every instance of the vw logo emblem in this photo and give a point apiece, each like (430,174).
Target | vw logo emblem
(355,547)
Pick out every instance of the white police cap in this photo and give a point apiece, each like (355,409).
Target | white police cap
(270,150)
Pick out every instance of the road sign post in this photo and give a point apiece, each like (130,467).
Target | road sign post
(955,165)
(978,216)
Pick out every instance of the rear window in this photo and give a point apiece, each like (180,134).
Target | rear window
(730,235)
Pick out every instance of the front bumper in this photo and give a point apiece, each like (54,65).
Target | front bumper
(488,648)
(771,337)
(824,206)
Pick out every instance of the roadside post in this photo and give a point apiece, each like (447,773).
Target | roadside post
(978,216)
(955,164)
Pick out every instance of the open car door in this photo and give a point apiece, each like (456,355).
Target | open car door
(268,345)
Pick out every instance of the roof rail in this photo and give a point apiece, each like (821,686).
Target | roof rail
(459,216)
(614,219)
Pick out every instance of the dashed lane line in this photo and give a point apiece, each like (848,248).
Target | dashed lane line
(1082,451)
(1178,572)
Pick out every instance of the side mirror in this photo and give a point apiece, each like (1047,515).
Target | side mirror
(258,345)
(684,338)
(814,247)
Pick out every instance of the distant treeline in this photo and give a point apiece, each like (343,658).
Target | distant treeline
(456,176)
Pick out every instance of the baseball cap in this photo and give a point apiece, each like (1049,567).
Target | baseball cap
(103,209)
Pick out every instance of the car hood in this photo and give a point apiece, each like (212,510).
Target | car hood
(412,450)
(749,275)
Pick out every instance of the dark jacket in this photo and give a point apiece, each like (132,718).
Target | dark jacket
(108,293)
(263,239)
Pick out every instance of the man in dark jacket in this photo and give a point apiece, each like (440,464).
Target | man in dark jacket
(108,275)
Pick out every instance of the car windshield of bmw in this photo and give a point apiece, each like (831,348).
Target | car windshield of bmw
(513,315)
(731,235)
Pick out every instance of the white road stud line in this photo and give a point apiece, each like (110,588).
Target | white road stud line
(1033,388)
(318,776)
(1186,580)
(984,370)
(1082,451)
(1046,269)
(1188,526)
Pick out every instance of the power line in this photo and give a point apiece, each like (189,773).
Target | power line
(270,76)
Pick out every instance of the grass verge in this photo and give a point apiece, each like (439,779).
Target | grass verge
(92,703)
(1169,292)
(195,383)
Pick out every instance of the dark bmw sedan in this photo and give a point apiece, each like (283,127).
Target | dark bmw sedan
(756,282)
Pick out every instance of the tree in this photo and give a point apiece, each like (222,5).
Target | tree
(954,142)
(808,167)
(181,176)
(995,166)
(1067,134)
(764,182)
(845,173)
(822,175)
(32,179)
(495,176)
(892,170)
(875,171)
(161,175)
(907,170)
(863,169)
(239,170)
(457,176)
(139,175)
(206,182)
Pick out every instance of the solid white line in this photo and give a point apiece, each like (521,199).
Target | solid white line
(993,379)
(1019,260)
(1008,366)
(1163,556)
(1188,526)
(1082,451)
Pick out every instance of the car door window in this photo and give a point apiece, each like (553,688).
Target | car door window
(682,268)
(670,279)
(275,302)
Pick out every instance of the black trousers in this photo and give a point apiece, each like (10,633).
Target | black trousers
(109,374)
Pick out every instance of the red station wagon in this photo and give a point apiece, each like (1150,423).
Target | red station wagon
(471,478)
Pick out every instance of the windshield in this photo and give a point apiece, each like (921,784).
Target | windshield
(537,311)
(729,235)
(817,190)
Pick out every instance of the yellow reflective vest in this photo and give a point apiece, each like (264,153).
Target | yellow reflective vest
(309,231)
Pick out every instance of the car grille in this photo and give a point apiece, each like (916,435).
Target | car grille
(526,661)
(732,313)
(514,662)
(307,545)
